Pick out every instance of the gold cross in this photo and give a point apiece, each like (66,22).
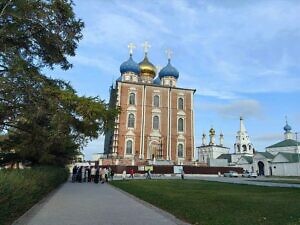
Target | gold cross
(146,46)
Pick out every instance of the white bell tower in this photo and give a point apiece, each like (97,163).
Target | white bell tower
(243,144)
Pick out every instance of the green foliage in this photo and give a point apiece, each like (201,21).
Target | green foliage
(50,122)
(213,203)
(21,189)
(46,122)
(41,32)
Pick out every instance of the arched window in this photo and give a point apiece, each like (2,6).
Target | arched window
(244,148)
(131,120)
(155,123)
(180,125)
(180,151)
(180,103)
(156,101)
(132,99)
(129,147)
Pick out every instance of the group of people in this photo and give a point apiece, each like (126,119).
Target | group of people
(91,174)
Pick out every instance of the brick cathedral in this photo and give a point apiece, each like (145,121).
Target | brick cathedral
(156,122)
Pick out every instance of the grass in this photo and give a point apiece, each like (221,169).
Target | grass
(286,181)
(21,189)
(214,203)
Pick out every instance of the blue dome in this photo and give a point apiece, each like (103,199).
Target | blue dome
(287,128)
(169,70)
(156,81)
(130,66)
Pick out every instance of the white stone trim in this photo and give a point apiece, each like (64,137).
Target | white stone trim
(184,126)
(159,122)
(144,120)
(183,149)
(127,119)
(135,98)
(183,103)
(159,100)
(133,147)
(142,125)
(192,127)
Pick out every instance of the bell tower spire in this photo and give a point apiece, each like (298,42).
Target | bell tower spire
(243,144)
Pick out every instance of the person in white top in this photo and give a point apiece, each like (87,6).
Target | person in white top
(93,173)
(124,175)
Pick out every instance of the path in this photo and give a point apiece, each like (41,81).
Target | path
(235,180)
(250,181)
(93,204)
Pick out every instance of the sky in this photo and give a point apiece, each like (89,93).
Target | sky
(242,57)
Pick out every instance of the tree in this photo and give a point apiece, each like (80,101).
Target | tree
(45,120)
(41,32)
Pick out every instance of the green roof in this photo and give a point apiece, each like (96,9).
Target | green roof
(249,159)
(285,143)
(225,156)
(268,155)
(291,157)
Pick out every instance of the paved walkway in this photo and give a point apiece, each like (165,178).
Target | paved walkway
(259,181)
(93,204)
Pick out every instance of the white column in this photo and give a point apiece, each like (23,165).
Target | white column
(168,130)
(142,125)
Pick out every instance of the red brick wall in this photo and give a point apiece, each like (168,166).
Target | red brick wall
(149,93)
(169,169)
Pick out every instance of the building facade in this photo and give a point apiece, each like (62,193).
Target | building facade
(156,119)
(209,152)
(279,159)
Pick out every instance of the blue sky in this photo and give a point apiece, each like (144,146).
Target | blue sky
(243,57)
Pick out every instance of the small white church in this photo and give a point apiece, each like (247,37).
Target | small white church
(279,159)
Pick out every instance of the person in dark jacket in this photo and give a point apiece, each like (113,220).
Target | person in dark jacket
(96,179)
(74,170)
(112,173)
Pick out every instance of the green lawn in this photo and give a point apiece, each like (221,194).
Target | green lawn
(213,203)
(287,181)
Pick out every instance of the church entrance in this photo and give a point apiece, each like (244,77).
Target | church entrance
(261,168)
(154,150)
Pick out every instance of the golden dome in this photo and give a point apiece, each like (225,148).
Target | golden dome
(147,68)
(212,131)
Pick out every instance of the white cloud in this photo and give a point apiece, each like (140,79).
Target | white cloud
(247,108)
(106,64)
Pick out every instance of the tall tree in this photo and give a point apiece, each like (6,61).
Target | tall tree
(46,121)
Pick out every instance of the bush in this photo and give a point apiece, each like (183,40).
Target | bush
(21,189)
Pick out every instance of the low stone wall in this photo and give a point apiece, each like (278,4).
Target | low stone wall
(169,169)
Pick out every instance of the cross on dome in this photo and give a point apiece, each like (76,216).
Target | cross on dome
(169,53)
(146,46)
(131,46)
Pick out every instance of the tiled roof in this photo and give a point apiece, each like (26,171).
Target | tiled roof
(291,157)
(225,156)
(285,143)
(268,155)
(249,159)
